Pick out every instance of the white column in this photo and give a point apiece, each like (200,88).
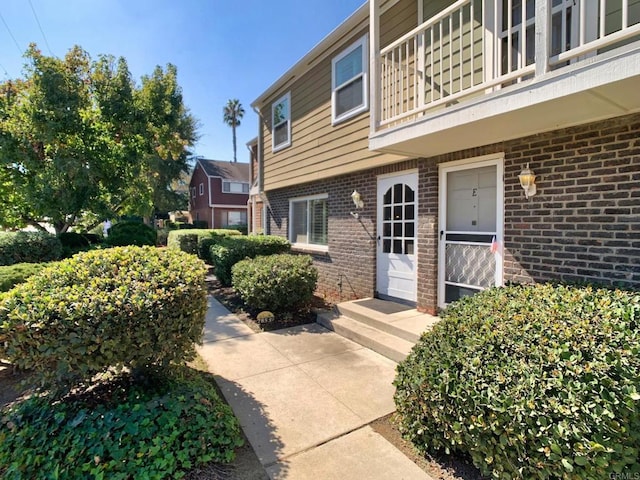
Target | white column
(543,36)
(374,64)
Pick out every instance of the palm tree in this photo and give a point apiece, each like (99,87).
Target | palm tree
(233,113)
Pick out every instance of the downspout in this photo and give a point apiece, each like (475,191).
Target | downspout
(260,158)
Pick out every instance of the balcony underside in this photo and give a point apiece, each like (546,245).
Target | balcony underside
(601,87)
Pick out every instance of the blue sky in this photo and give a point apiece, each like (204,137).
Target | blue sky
(223,48)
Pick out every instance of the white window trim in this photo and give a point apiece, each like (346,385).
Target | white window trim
(235,193)
(274,147)
(193,192)
(306,246)
(364,43)
(201,189)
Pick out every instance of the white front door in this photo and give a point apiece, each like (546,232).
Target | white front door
(471,225)
(397,221)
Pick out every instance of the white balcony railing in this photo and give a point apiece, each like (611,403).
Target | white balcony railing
(474,47)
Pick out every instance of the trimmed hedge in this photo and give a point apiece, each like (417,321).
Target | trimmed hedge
(73,240)
(131,233)
(279,283)
(28,247)
(159,429)
(120,307)
(12,275)
(536,381)
(229,251)
(189,240)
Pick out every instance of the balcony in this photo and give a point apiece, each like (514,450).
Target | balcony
(485,71)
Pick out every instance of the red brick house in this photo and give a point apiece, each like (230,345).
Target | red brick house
(218,193)
(396,151)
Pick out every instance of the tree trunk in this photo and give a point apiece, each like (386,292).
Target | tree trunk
(233,128)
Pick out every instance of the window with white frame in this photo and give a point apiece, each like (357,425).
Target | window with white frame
(349,83)
(281,122)
(235,187)
(201,189)
(236,218)
(193,192)
(308,221)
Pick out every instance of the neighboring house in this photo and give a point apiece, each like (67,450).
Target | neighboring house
(434,113)
(256,205)
(219,192)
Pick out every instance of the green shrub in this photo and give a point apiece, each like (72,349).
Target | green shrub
(229,251)
(120,307)
(12,275)
(28,247)
(93,238)
(537,381)
(189,240)
(159,429)
(280,283)
(131,233)
(73,240)
(200,224)
(243,229)
(162,236)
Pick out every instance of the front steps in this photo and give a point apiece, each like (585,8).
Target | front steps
(386,327)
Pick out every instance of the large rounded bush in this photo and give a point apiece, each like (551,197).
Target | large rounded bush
(225,253)
(131,233)
(28,247)
(537,381)
(280,283)
(161,429)
(124,306)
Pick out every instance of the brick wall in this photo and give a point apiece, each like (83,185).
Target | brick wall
(584,223)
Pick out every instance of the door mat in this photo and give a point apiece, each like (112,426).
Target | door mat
(383,306)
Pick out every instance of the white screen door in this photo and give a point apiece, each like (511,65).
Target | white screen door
(396,251)
(470,255)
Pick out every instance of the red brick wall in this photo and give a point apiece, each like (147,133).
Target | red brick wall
(584,223)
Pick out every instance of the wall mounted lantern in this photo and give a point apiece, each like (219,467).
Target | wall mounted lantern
(528,182)
(357,201)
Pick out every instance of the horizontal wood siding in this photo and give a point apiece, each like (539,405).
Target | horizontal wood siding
(318,148)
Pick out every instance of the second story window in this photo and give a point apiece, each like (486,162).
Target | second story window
(349,92)
(281,122)
(235,187)
(201,189)
(193,192)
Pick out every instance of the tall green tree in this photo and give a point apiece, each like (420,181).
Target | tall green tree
(232,114)
(78,139)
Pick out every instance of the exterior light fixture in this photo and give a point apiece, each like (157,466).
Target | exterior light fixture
(528,182)
(357,201)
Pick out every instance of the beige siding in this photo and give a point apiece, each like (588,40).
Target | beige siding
(318,148)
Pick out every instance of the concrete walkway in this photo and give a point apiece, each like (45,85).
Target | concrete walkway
(304,396)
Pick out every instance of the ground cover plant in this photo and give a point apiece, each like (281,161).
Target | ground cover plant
(130,307)
(158,427)
(535,381)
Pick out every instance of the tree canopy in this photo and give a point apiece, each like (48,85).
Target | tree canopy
(232,113)
(80,139)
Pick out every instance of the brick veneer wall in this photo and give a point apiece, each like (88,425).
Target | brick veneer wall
(584,223)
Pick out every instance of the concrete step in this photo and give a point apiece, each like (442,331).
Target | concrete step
(386,344)
(394,318)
